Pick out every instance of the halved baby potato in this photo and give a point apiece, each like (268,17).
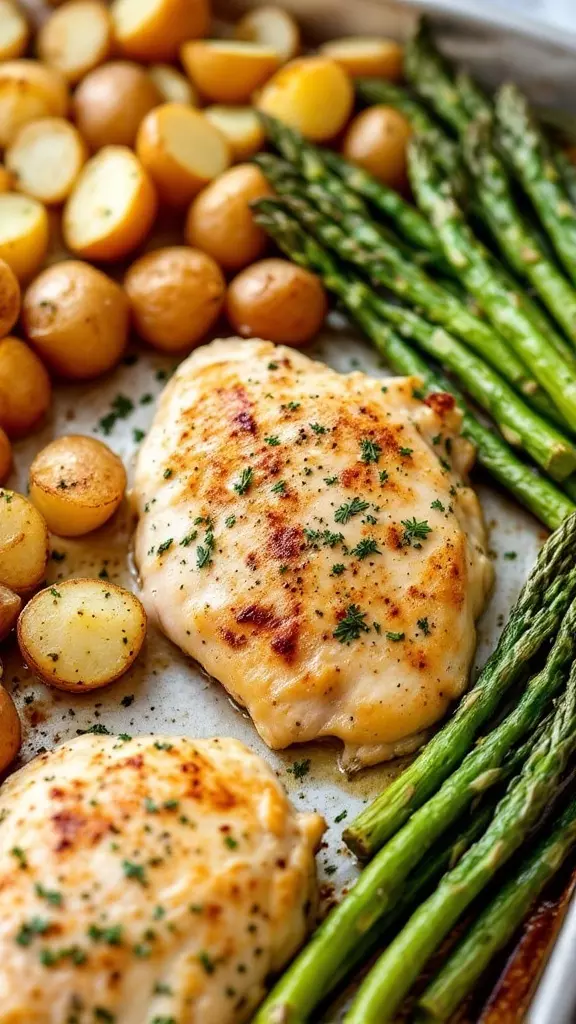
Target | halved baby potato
(112,206)
(111,101)
(77,483)
(366,57)
(270,26)
(23,543)
(46,158)
(76,38)
(242,128)
(82,634)
(313,94)
(9,298)
(10,605)
(228,71)
(14,31)
(25,390)
(10,730)
(5,456)
(76,318)
(181,151)
(172,85)
(28,90)
(149,30)
(24,233)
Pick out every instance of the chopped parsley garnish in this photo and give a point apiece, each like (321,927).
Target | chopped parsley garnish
(367,546)
(167,473)
(292,406)
(206,960)
(405,452)
(121,407)
(230,842)
(337,569)
(369,450)
(20,856)
(112,934)
(340,817)
(189,539)
(273,440)
(414,530)
(30,929)
(349,509)
(54,592)
(395,636)
(279,488)
(242,485)
(164,546)
(229,522)
(135,871)
(272,366)
(437,439)
(438,504)
(383,476)
(317,428)
(203,556)
(300,769)
(510,555)
(330,480)
(50,895)
(424,625)
(57,556)
(350,627)
(138,435)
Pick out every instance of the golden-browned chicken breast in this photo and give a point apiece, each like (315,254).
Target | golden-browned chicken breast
(148,879)
(309,538)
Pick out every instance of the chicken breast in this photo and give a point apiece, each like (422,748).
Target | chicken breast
(309,538)
(146,880)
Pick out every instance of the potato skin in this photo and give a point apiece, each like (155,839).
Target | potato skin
(9,298)
(26,251)
(175,294)
(277,300)
(10,605)
(25,391)
(160,36)
(220,221)
(377,140)
(5,456)
(23,543)
(111,101)
(10,730)
(77,483)
(313,94)
(76,318)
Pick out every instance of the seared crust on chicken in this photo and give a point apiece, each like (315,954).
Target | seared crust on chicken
(310,539)
(148,879)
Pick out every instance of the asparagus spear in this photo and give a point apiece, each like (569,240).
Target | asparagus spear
(498,922)
(567,171)
(529,153)
(535,492)
(380,885)
(519,242)
(431,76)
(528,796)
(509,309)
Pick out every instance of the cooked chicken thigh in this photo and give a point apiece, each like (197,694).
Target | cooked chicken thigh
(309,538)
(148,879)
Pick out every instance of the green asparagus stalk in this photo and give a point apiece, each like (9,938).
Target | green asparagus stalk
(509,309)
(499,921)
(535,492)
(529,153)
(520,244)
(389,981)
(379,886)
(567,171)
(432,78)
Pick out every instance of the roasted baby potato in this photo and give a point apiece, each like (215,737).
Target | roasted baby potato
(276,300)
(76,38)
(45,159)
(24,233)
(29,89)
(25,390)
(111,101)
(363,56)
(226,71)
(156,29)
(181,151)
(77,483)
(5,456)
(377,139)
(5,180)
(112,206)
(77,319)
(81,634)
(270,26)
(10,730)
(242,128)
(220,221)
(14,31)
(176,295)
(23,543)
(10,605)
(172,85)
(313,94)
(9,298)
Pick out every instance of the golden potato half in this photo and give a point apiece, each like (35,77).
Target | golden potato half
(82,634)
(24,233)
(23,543)
(241,126)
(9,298)
(10,605)
(77,483)
(313,94)
(14,31)
(270,26)
(77,319)
(76,38)
(153,30)
(172,85)
(363,56)
(112,206)
(45,159)
(29,89)
(111,101)
(25,390)
(228,71)
(220,221)
(181,151)
(10,730)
